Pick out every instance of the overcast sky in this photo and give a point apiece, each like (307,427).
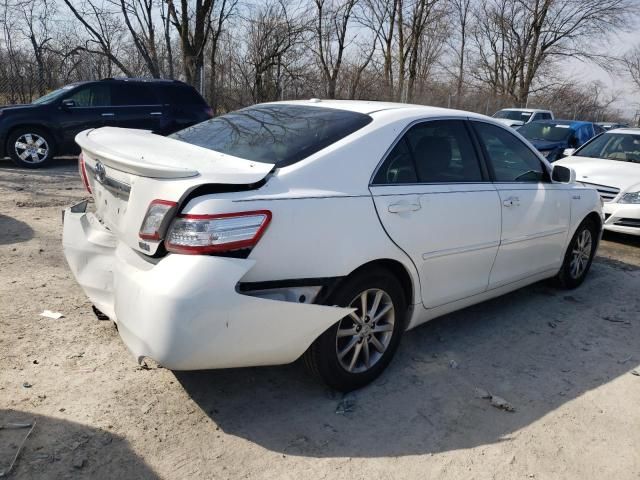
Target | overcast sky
(616,81)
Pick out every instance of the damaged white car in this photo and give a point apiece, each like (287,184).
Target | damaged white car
(321,229)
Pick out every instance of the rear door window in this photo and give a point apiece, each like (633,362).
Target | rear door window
(437,151)
(133,94)
(510,158)
(278,134)
(181,95)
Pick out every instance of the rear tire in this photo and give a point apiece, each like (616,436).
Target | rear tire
(579,255)
(354,351)
(30,147)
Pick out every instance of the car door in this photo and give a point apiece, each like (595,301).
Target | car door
(535,212)
(88,106)
(137,105)
(434,199)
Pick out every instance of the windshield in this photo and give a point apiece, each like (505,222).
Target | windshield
(51,96)
(276,134)
(550,132)
(624,147)
(513,115)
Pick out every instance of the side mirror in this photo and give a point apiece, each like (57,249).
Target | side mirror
(567,152)
(68,103)
(562,174)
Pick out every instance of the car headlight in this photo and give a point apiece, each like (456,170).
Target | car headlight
(633,197)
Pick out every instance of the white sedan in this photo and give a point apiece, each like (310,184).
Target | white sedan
(610,163)
(321,229)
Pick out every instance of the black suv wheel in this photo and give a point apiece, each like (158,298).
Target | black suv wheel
(30,147)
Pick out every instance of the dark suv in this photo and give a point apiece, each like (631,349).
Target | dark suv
(32,134)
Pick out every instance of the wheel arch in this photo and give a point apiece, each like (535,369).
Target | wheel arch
(398,270)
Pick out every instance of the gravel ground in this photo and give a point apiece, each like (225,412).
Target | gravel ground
(564,360)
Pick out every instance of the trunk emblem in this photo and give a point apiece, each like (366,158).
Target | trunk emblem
(101,172)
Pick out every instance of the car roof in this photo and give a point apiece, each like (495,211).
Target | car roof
(571,123)
(528,110)
(631,130)
(368,107)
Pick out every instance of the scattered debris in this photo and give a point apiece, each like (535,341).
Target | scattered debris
(5,473)
(50,314)
(552,324)
(79,462)
(453,364)
(502,404)
(481,393)
(615,319)
(27,385)
(76,355)
(346,405)
(635,372)
(496,401)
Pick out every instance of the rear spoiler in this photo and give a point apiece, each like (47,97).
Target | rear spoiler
(123,160)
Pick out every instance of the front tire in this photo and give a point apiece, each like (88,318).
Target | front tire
(579,255)
(354,351)
(30,147)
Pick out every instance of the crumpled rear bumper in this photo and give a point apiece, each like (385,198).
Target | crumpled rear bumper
(184,311)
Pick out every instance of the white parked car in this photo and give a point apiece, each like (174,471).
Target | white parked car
(611,164)
(321,229)
(516,117)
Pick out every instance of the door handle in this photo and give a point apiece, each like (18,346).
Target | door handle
(155,113)
(402,207)
(511,202)
(108,114)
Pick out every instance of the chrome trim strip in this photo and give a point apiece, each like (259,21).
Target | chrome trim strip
(454,251)
(533,236)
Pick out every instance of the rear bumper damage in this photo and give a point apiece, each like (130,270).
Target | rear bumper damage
(184,311)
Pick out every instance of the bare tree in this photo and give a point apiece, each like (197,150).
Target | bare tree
(192,23)
(104,32)
(331,26)
(631,63)
(518,38)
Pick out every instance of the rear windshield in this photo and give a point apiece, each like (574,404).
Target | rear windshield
(277,134)
(513,115)
(551,132)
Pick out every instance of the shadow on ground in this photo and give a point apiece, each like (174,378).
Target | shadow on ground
(61,449)
(14,231)
(538,348)
(59,166)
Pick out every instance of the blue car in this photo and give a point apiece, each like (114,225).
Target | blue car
(552,137)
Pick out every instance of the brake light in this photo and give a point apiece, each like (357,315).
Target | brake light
(216,233)
(83,172)
(209,111)
(155,219)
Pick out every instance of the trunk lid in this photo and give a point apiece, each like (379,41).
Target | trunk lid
(127,169)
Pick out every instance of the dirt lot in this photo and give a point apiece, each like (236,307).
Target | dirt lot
(563,359)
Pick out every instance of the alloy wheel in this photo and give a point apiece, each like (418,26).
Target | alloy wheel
(31,148)
(580,254)
(364,335)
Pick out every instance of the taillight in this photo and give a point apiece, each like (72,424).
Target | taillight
(155,219)
(209,112)
(83,172)
(216,233)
